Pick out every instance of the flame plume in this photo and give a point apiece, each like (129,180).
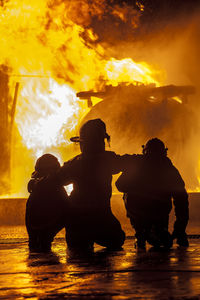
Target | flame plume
(54,50)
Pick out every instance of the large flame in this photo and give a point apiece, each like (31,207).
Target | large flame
(43,45)
(49,111)
(46,108)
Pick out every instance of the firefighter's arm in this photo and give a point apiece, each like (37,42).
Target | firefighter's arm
(124,182)
(65,174)
(122,163)
(117,162)
(128,165)
(181,206)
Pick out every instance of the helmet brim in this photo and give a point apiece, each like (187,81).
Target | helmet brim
(75,139)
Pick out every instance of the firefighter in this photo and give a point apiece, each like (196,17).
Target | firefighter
(149,184)
(91,173)
(47,205)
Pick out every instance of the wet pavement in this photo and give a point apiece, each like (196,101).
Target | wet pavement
(123,274)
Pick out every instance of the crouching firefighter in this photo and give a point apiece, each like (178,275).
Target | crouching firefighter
(149,184)
(47,205)
(91,173)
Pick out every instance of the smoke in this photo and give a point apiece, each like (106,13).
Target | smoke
(174,47)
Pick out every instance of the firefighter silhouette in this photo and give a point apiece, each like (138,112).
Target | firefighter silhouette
(149,184)
(91,173)
(47,205)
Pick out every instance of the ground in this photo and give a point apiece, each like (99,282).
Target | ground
(120,275)
(123,274)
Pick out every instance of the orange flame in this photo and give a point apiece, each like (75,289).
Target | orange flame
(44,113)
(44,41)
(46,109)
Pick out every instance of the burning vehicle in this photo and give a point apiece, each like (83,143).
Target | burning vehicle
(135,112)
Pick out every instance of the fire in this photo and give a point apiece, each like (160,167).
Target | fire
(48,111)
(43,44)
(126,70)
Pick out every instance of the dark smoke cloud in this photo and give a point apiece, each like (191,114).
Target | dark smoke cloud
(102,16)
(115,21)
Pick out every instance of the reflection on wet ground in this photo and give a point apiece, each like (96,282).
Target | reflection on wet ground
(124,274)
